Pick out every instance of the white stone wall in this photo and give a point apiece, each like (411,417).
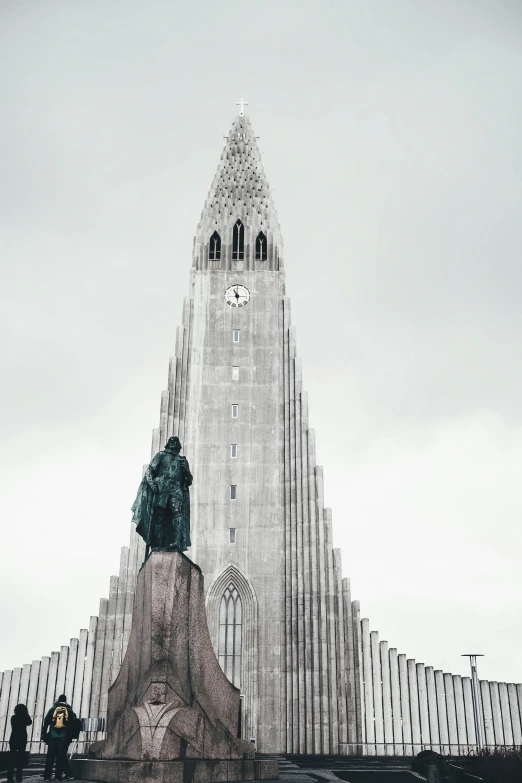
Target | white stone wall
(415,708)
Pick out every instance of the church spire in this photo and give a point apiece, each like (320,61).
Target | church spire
(239,227)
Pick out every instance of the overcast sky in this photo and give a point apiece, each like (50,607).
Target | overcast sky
(391,133)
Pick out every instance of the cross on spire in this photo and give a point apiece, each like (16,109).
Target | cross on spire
(241,103)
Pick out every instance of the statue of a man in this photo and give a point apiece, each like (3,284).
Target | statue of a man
(161,510)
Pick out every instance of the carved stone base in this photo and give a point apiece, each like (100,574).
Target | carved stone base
(171,700)
(187,771)
(172,713)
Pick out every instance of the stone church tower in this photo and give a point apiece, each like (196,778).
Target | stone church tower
(313,677)
(260,533)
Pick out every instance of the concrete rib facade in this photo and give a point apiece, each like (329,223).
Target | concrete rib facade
(314,677)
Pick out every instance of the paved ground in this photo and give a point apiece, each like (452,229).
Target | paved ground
(324,769)
(352,769)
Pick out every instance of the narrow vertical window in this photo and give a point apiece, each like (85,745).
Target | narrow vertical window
(233,450)
(233,492)
(235,411)
(238,242)
(214,249)
(261,247)
(235,336)
(229,649)
(232,535)
(235,373)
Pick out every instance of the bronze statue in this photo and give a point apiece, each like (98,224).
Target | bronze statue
(161,510)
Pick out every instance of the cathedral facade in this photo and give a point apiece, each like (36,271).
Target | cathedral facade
(260,532)
(312,676)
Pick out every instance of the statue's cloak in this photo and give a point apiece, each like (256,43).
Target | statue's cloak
(142,510)
(143,507)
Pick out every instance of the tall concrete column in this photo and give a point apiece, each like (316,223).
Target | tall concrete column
(386,698)
(94,709)
(307,579)
(155,447)
(4,701)
(323,633)
(495,711)
(78,675)
(50,693)
(432,709)
(405,705)
(469,713)
(70,674)
(368,687)
(339,646)
(519,698)
(332,647)
(187,344)
(13,697)
(377,693)
(414,706)
(398,748)
(120,613)
(423,707)
(359,675)
(489,731)
(40,704)
(452,715)
(442,712)
(31,700)
(296,576)
(315,597)
(180,340)
(108,645)
(515,714)
(85,708)
(171,385)
(505,713)
(290,580)
(136,542)
(349,666)
(164,410)
(62,669)
(289,614)
(460,714)
(24,683)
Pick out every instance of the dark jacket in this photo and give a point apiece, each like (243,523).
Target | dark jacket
(19,723)
(66,731)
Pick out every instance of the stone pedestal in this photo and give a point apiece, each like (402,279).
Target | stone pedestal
(172,713)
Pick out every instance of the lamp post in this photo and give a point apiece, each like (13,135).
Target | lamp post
(477,700)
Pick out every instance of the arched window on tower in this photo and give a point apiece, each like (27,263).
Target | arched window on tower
(214,248)
(230,635)
(261,247)
(238,242)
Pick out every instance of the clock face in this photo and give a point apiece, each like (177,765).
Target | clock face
(237,295)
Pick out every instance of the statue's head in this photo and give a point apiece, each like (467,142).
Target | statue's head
(174,444)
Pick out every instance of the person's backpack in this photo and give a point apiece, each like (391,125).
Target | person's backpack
(60,717)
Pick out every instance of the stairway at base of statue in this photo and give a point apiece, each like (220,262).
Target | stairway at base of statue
(172,713)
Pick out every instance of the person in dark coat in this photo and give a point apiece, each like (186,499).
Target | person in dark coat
(17,742)
(57,731)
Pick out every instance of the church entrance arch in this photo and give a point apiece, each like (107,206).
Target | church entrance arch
(232,620)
